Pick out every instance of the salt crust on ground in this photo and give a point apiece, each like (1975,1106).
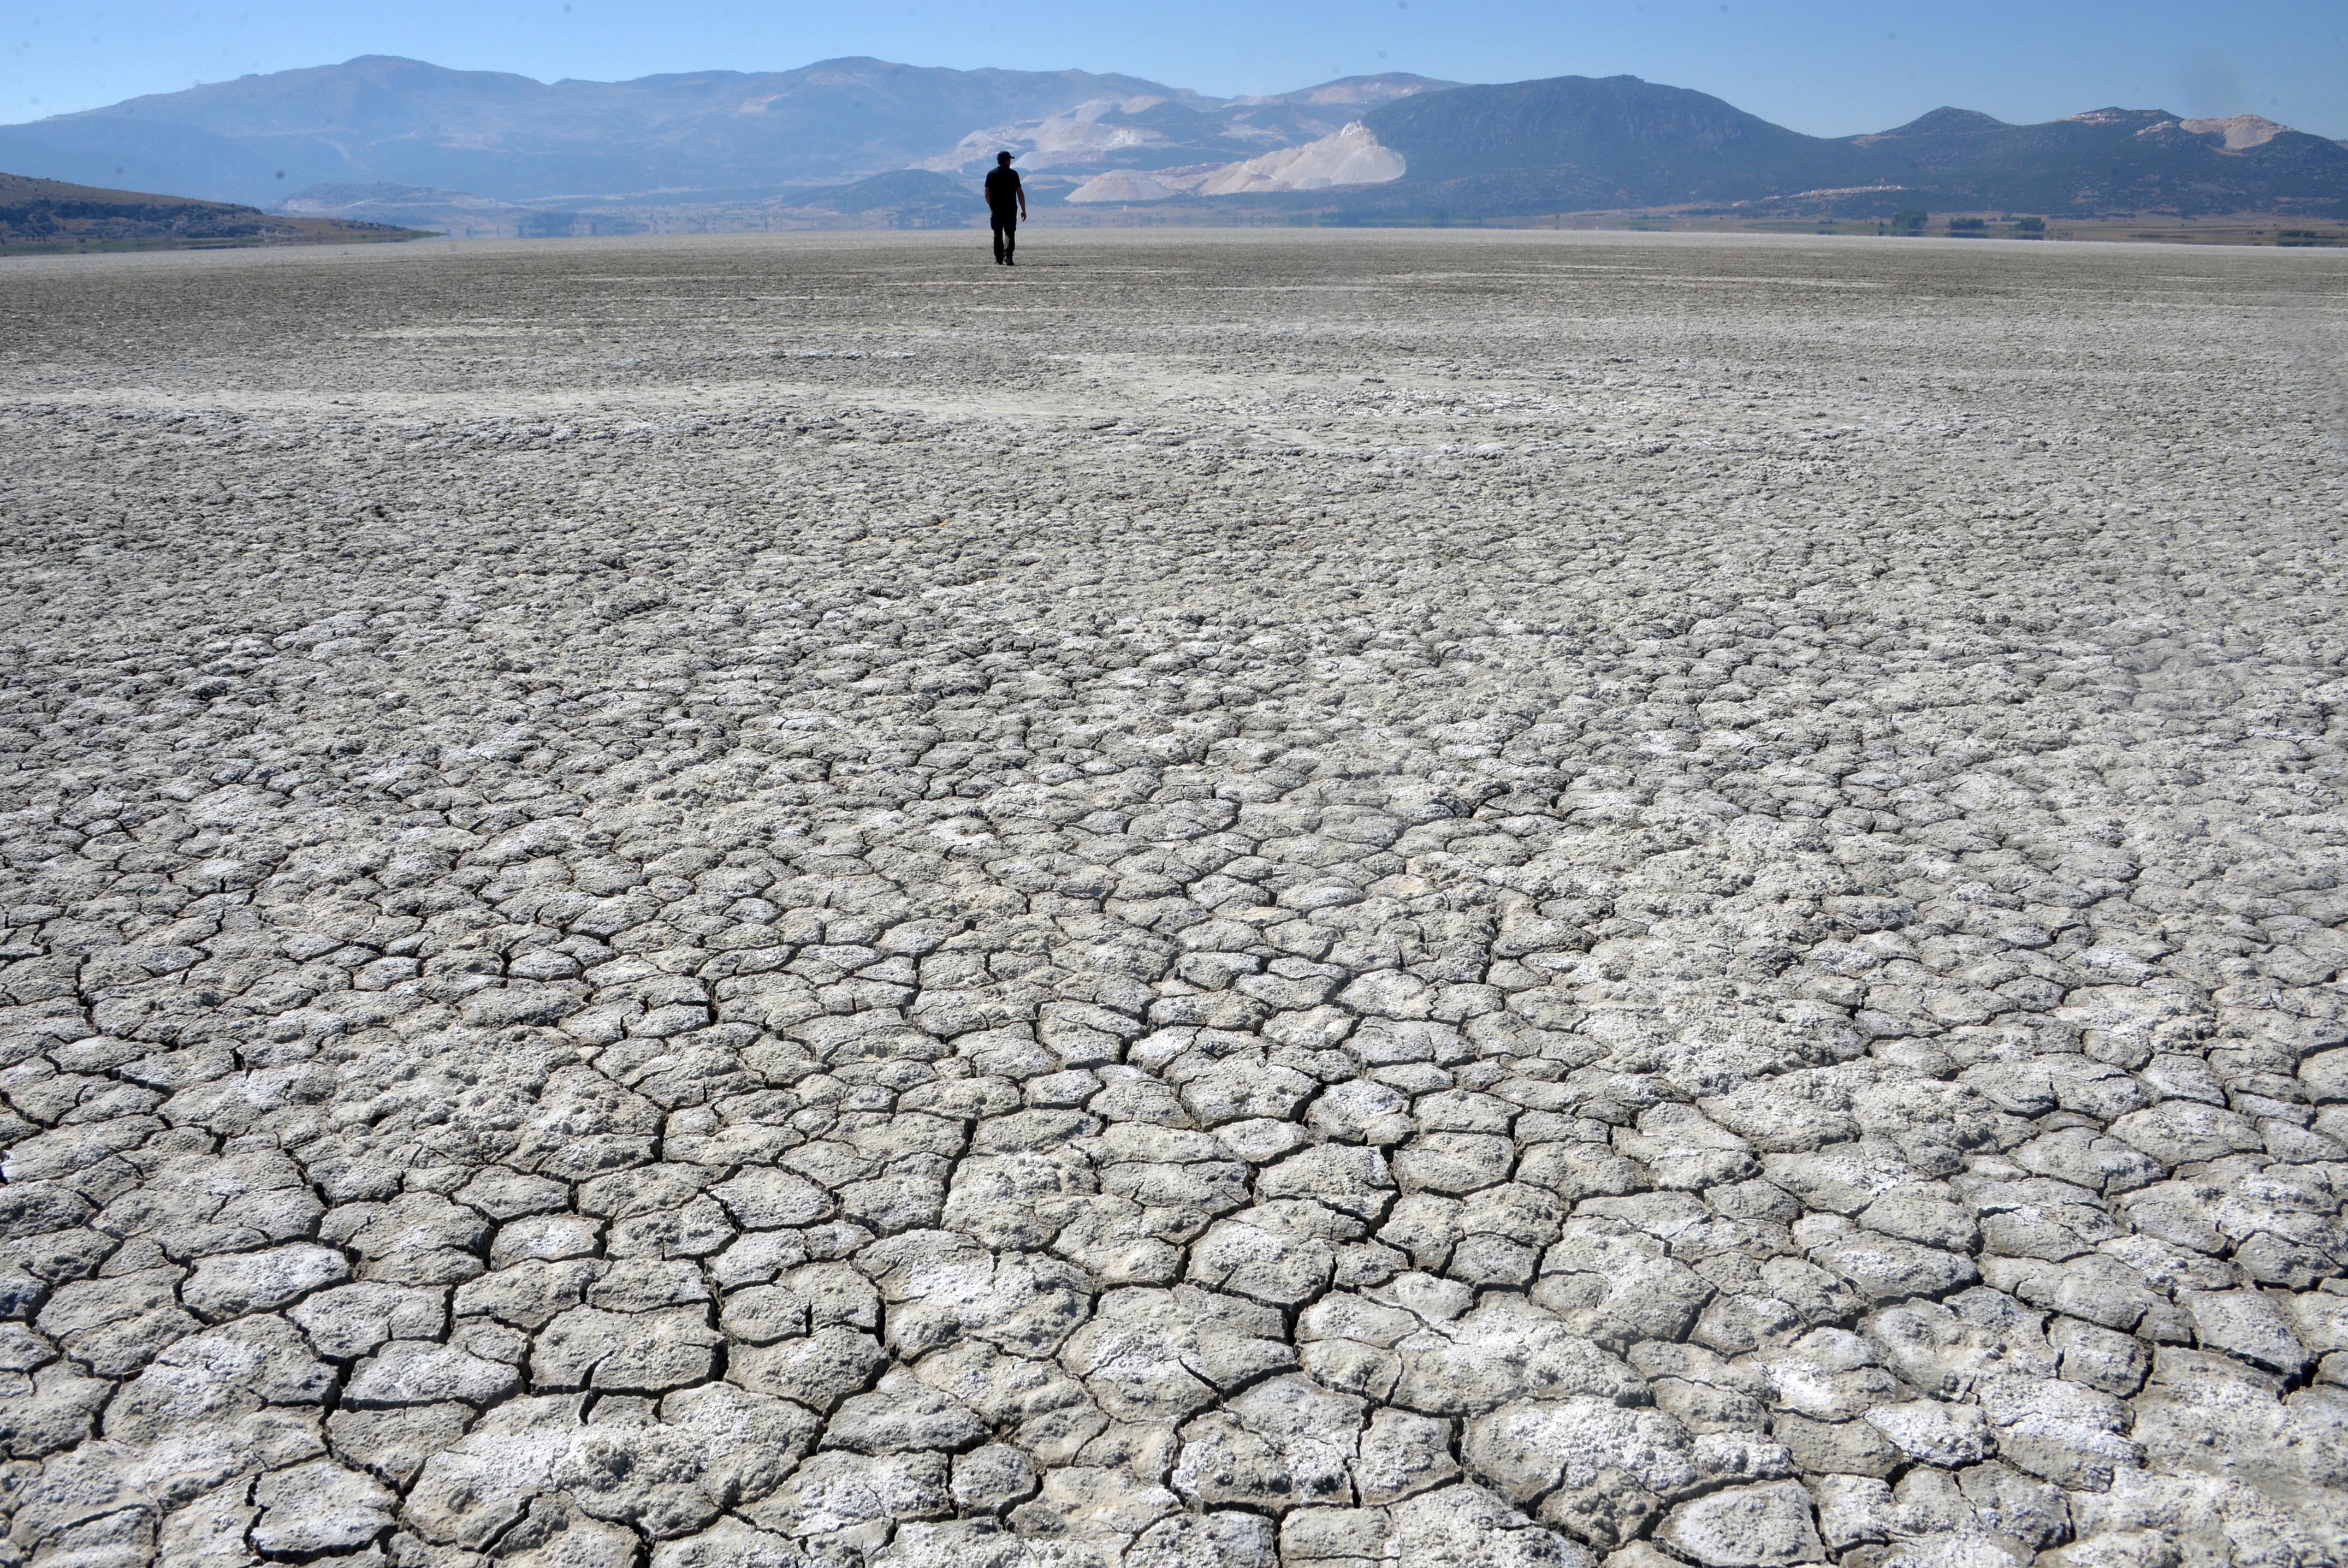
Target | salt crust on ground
(1416,900)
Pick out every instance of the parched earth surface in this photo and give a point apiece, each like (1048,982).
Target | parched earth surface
(1429,901)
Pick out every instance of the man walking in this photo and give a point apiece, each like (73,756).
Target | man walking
(1007,203)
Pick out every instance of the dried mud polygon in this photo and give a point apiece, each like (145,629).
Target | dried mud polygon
(1321,899)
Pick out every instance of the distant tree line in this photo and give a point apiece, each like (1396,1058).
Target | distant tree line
(1911,221)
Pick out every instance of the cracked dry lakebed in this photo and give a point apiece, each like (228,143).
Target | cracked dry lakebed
(1266,898)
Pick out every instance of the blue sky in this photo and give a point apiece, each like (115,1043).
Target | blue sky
(1833,68)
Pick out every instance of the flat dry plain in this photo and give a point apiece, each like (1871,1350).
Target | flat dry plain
(1426,900)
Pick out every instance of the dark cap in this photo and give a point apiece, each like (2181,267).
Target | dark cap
(1002,158)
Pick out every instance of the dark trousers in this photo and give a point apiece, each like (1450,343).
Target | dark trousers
(1006,233)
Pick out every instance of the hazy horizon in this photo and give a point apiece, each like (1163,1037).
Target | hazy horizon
(1836,69)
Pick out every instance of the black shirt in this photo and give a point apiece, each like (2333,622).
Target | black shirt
(1003,188)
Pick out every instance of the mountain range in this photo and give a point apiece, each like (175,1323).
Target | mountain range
(1578,143)
(864,140)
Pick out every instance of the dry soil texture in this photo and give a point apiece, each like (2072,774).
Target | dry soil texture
(1426,901)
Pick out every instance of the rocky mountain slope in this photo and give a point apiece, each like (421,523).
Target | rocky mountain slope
(1160,134)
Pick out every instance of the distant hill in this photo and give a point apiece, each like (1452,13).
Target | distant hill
(379,118)
(51,215)
(860,142)
(1620,142)
(694,138)
(2112,160)
(1631,143)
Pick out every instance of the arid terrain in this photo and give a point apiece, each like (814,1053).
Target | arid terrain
(1290,898)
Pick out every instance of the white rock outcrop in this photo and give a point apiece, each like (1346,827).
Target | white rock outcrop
(1126,185)
(2242,131)
(1353,156)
